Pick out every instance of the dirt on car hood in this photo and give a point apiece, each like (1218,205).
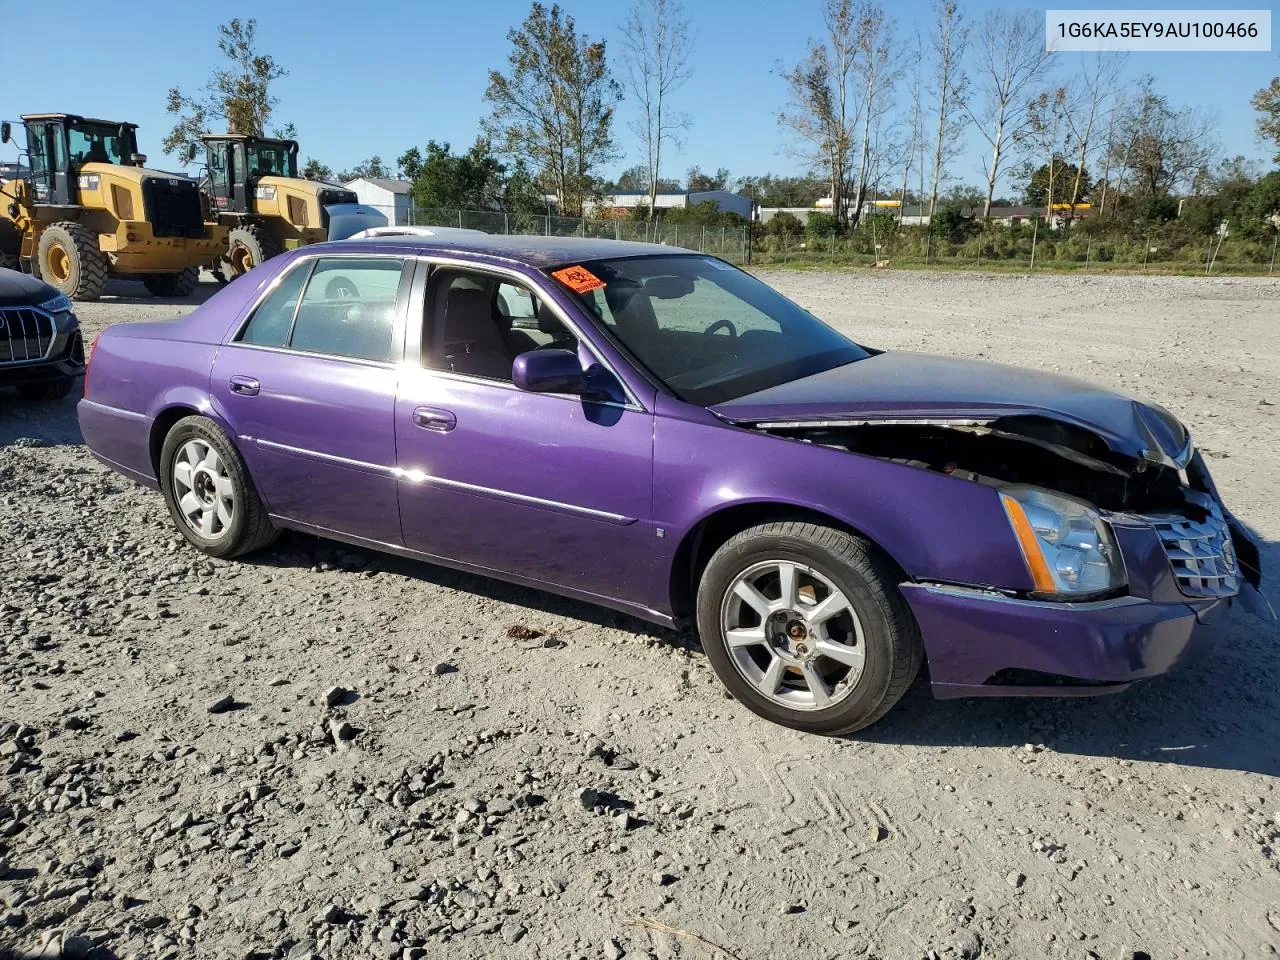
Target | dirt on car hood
(907,387)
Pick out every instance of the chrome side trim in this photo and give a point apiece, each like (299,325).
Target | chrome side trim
(326,457)
(291,352)
(419,477)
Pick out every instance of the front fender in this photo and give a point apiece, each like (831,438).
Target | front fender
(935,527)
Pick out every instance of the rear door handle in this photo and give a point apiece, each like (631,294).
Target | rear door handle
(433,418)
(245,386)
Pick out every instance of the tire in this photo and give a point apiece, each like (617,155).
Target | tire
(46,390)
(180,284)
(248,247)
(249,528)
(70,260)
(874,634)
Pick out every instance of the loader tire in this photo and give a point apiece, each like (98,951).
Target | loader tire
(70,260)
(248,247)
(180,284)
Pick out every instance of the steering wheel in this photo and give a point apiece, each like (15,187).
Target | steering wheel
(727,324)
(340,288)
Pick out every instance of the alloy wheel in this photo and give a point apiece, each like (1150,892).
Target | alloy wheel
(203,489)
(793,635)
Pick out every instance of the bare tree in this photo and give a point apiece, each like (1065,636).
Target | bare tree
(949,38)
(658,41)
(1048,137)
(877,67)
(915,134)
(1011,59)
(1099,84)
(821,108)
(555,107)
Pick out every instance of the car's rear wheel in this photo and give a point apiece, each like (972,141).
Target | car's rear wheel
(209,492)
(806,627)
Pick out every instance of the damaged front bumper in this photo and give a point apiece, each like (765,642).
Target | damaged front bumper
(982,642)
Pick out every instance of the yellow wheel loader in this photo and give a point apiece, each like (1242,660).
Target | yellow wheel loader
(256,192)
(86,207)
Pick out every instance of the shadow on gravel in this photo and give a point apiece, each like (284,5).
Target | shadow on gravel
(1222,711)
(301,550)
(133,292)
(45,424)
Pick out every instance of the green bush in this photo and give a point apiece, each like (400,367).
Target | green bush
(819,224)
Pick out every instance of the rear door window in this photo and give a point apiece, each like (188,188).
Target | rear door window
(349,308)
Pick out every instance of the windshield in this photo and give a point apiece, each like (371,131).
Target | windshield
(707,330)
(272,160)
(96,143)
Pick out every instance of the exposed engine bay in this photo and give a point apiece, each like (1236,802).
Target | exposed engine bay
(1013,450)
(1028,450)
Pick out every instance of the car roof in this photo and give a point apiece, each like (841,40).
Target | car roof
(533,251)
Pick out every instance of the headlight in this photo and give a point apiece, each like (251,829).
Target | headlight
(59,304)
(1068,547)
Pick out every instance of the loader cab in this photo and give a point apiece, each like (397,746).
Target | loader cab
(59,144)
(237,163)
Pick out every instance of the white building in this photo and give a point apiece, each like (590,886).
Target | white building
(725,201)
(392,198)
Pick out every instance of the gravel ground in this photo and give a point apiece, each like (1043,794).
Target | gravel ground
(326,752)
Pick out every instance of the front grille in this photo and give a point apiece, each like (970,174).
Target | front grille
(173,207)
(25,334)
(1204,562)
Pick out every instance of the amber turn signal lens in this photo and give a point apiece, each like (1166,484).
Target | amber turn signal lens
(1031,551)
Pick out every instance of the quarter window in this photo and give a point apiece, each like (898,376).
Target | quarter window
(269,325)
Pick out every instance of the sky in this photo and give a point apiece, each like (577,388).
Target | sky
(377,78)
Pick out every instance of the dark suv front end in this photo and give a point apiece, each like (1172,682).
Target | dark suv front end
(41,347)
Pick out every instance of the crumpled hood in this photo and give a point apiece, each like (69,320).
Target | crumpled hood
(901,385)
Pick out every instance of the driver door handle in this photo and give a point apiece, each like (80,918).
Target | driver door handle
(433,418)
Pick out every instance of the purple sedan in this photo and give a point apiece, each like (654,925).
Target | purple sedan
(659,432)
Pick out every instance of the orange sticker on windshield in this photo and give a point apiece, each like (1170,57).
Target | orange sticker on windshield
(578,279)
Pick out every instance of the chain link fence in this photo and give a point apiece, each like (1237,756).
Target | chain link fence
(1023,249)
(726,242)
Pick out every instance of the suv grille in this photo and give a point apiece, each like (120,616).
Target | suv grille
(173,207)
(25,334)
(1204,562)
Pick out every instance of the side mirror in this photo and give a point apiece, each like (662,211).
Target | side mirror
(548,371)
(191,152)
(6,131)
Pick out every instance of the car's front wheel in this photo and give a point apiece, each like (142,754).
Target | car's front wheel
(806,627)
(209,492)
